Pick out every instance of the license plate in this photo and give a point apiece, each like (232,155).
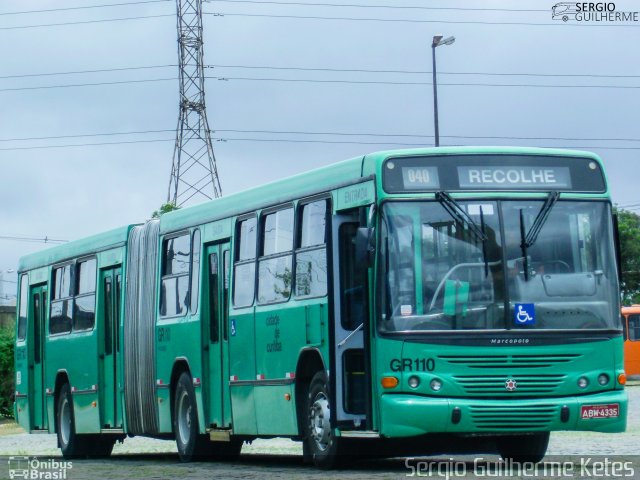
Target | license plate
(600,411)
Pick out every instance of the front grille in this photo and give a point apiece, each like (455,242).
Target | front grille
(509,361)
(508,419)
(496,384)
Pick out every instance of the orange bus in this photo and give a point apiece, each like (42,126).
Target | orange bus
(631,324)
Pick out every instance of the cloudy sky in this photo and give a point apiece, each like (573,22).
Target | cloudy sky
(578,85)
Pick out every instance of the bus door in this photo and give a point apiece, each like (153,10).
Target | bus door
(350,304)
(215,335)
(109,314)
(36,324)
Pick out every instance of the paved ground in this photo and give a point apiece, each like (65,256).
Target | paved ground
(279,458)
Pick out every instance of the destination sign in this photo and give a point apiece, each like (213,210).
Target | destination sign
(514,177)
(492,172)
(420,178)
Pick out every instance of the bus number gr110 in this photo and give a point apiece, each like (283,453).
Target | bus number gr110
(412,365)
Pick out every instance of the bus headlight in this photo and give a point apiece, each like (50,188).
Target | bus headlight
(603,379)
(583,382)
(414,381)
(435,385)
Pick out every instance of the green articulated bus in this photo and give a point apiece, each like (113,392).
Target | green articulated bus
(401,303)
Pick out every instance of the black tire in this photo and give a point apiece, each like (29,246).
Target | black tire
(190,443)
(70,444)
(523,448)
(322,446)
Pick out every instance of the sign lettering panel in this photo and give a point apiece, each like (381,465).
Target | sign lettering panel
(517,178)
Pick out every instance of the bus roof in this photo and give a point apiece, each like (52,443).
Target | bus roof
(77,248)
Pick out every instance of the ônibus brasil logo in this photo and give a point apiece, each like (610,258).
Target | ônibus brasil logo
(32,468)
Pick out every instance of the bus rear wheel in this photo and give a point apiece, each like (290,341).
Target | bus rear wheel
(523,448)
(322,446)
(68,441)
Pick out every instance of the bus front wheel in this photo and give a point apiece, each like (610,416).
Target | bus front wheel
(185,421)
(523,448)
(321,443)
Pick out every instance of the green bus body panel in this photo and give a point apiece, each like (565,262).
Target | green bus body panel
(355,196)
(217,230)
(546,382)
(40,275)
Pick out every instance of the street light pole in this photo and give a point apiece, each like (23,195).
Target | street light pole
(435,94)
(437,41)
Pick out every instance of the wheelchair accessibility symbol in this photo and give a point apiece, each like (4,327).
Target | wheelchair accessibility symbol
(525,314)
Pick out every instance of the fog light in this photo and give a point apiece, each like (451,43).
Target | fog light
(583,382)
(414,381)
(435,384)
(603,379)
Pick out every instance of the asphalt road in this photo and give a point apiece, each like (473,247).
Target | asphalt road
(141,458)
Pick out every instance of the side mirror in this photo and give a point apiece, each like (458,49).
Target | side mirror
(364,246)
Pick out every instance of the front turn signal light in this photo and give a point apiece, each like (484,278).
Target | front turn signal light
(389,382)
(622,379)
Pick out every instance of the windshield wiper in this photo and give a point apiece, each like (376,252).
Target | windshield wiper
(458,213)
(529,239)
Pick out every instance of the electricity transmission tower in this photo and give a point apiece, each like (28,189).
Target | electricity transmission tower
(194,172)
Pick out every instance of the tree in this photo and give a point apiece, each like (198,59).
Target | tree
(165,208)
(629,231)
(7,375)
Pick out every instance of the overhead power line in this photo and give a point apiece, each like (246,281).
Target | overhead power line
(386,82)
(96,84)
(78,72)
(418,72)
(414,20)
(386,7)
(289,140)
(86,22)
(20,238)
(325,81)
(322,69)
(327,133)
(84,7)
(41,147)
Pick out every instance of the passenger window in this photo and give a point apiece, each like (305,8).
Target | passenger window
(24,307)
(247,242)
(174,293)
(84,311)
(313,224)
(311,255)
(275,265)
(278,232)
(353,280)
(60,318)
(245,268)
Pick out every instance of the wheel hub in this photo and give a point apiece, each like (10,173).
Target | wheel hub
(65,421)
(184,418)
(320,421)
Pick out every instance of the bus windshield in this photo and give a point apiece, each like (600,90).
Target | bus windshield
(438,273)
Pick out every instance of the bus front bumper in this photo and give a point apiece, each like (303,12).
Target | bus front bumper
(406,415)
